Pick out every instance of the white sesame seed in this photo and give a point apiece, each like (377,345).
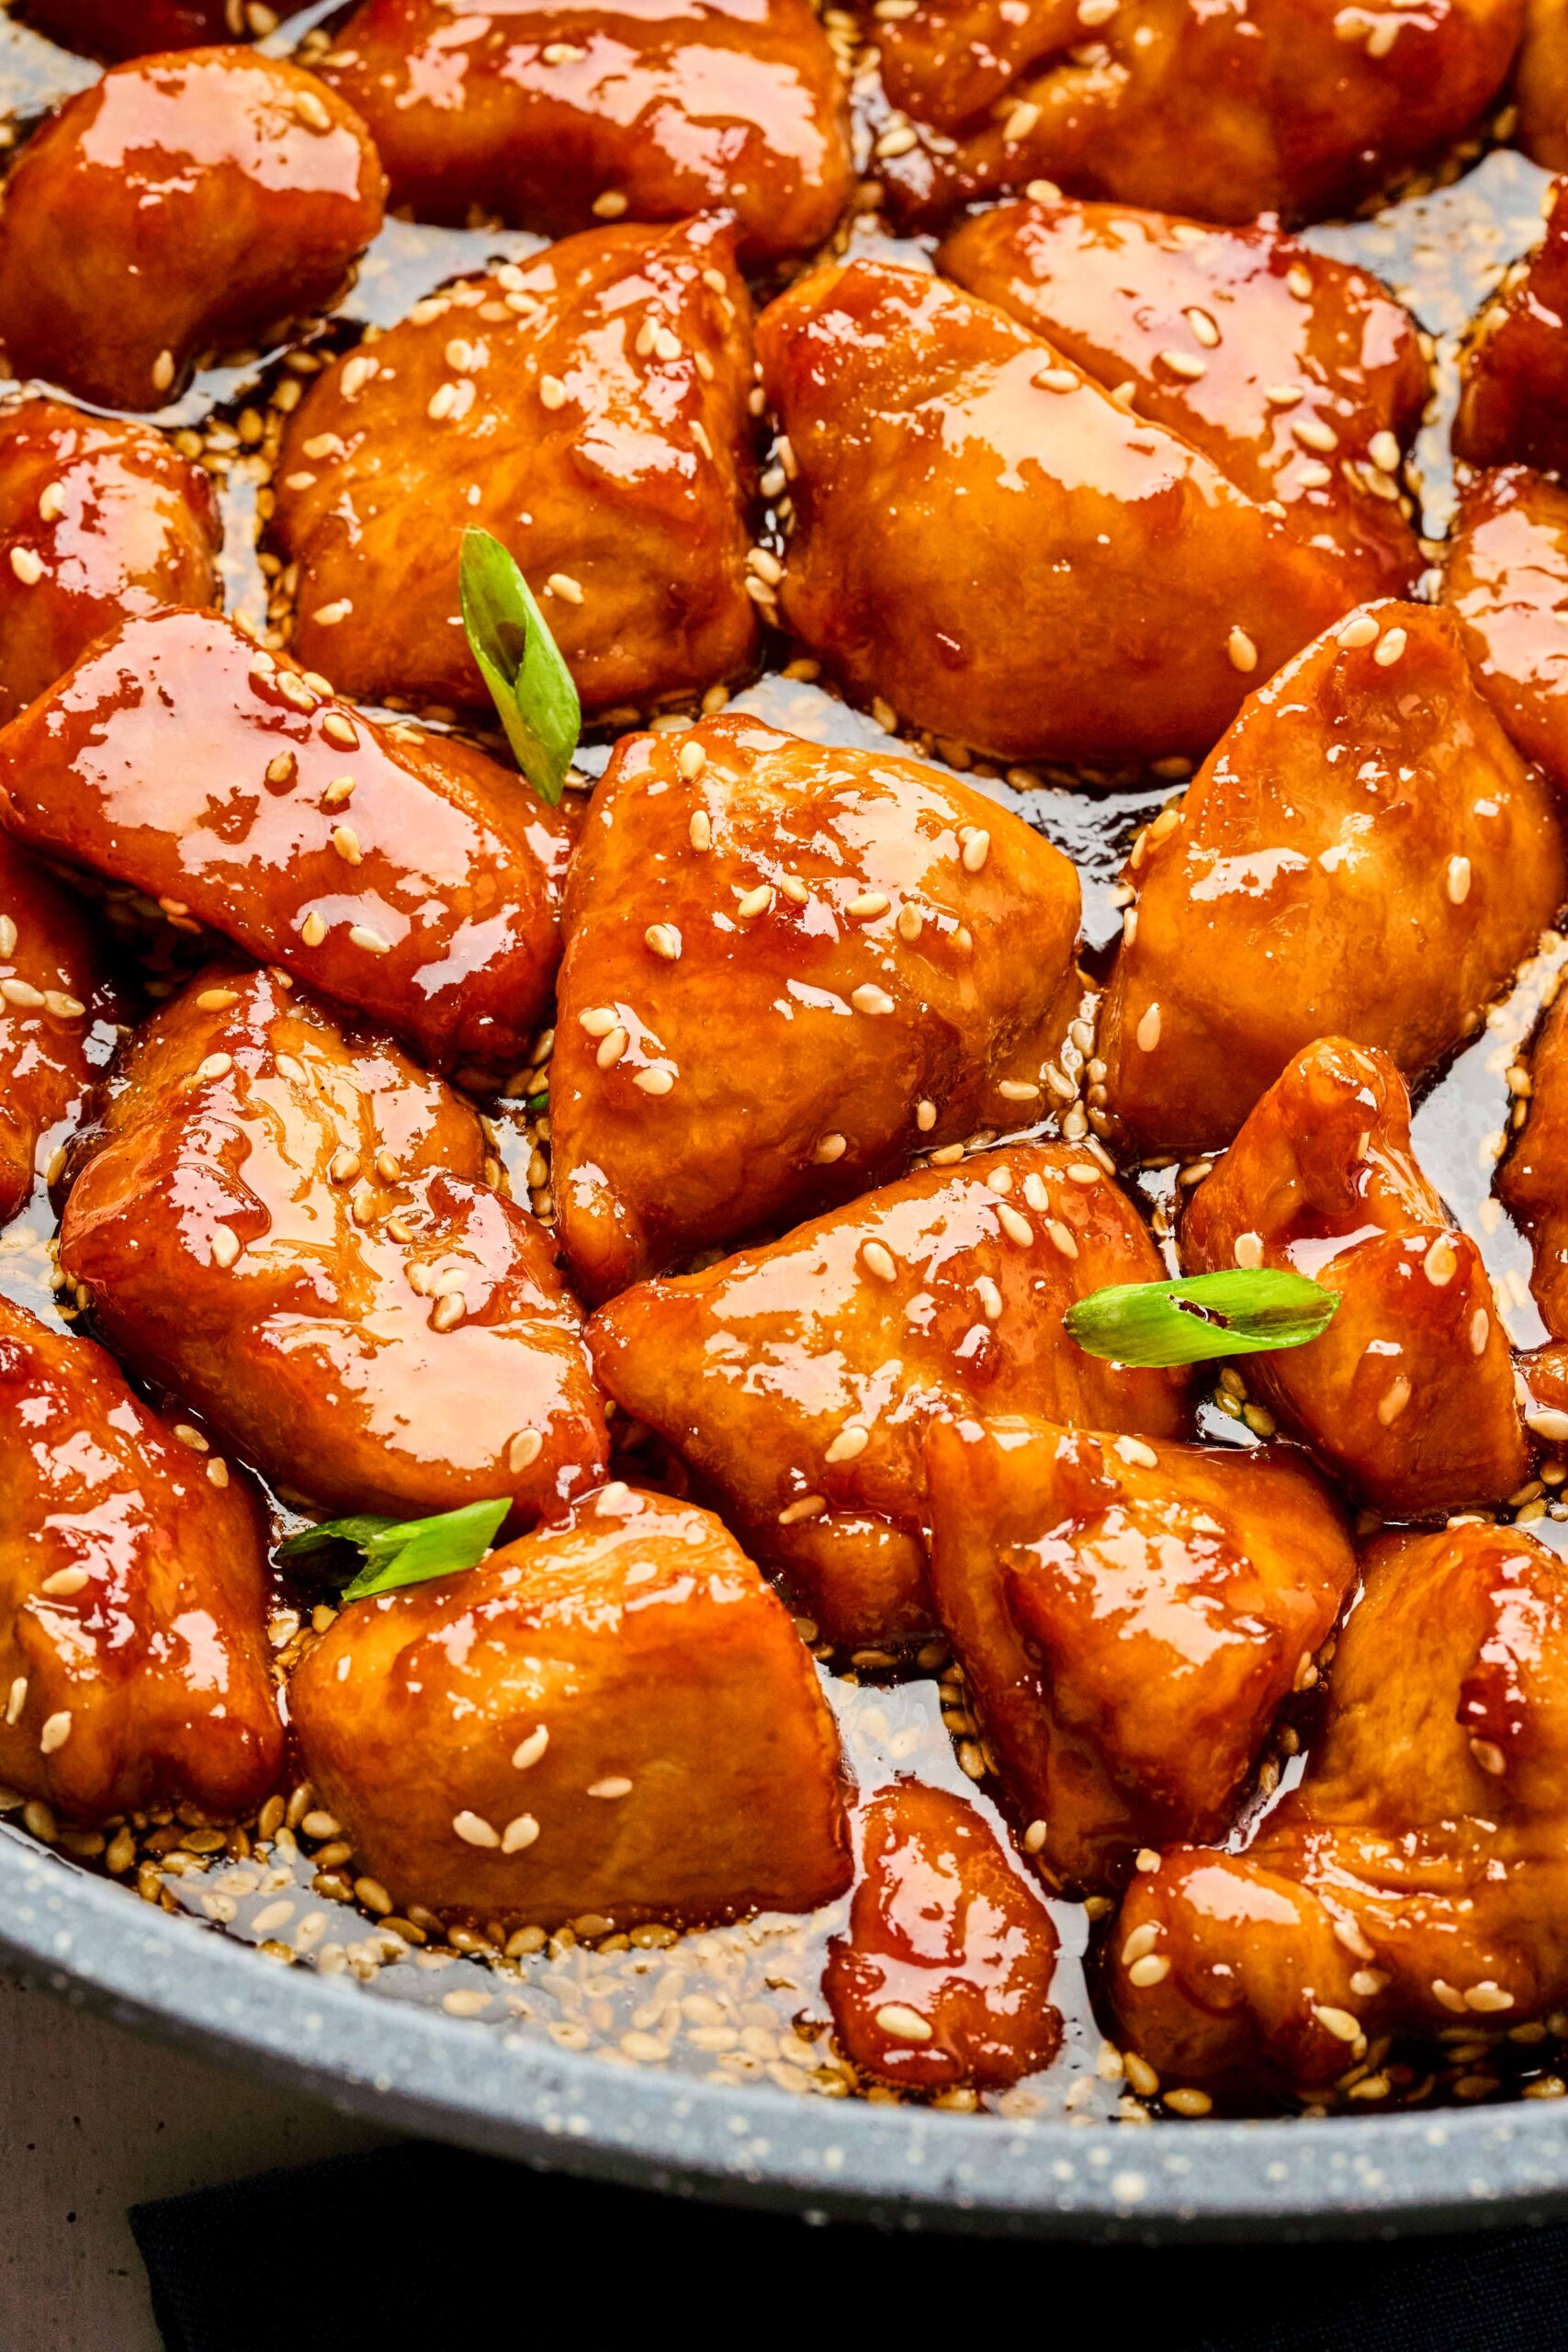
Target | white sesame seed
(612,1046)
(690,759)
(1058,380)
(1152,1969)
(990,1298)
(895,142)
(1314,433)
(976,848)
(1393,644)
(311,108)
(613,1784)
(528,1751)
(1134,1451)
(562,584)
(867,906)
(868,998)
(313,929)
(1458,882)
(925,1116)
(361,935)
(1360,630)
(1017,1228)
(1184,363)
(895,2019)
(519,1833)
(1393,1402)
(1248,1250)
(1062,1237)
(473,1831)
(1338,2022)
(1141,1939)
(1148,1030)
(830,1148)
(16,1698)
(1480,1330)
(1241,649)
(329,616)
(1440,1263)
(655,1081)
(700,830)
(224,1245)
(357,370)
(879,1260)
(1490,1756)
(850,1443)
(552,392)
(340,729)
(162,371)
(598,1020)
(804,1506)
(1204,327)
(64,1583)
(27,565)
(664,940)
(754,902)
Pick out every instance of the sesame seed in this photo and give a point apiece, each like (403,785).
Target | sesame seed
(795,890)
(16,1698)
(1338,2022)
(1314,433)
(1204,327)
(1017,1228)
(27,565)
(925,1116)
(224,1245)
(64,1007)
(1440,1263)
(1298,279)
(1394,1399)
(311,108)
(51,501)
(754,902)
(610,205)
(990,1298)
(598,1020)
(313,929)
(1393,644)
(895,142)
(867,906)
(850,1443)
(1248,1250)
(1490,1756)
(1316,475)
(700,830)
(552,392)
(23,993)
(1034,1836)
(344,1165)
(1152,1969)
(523,1451)
(329,616)
(615,1785)
(804,1506)
(360,934)
(895,2019)
(215,1066)
(1383,451)
(1184,363)
(976,848)
(1458,882)
(879,1261)
(1058,380)
(911,922)
(1021,120)
(64,1583)
(1241,649)
(1062,1237)
(868,998)
(448,1311)
(1283,395)
(7,935)
(655,1081)
(345,840)
(1133,1452)
(664,940)
(357,371)
(217,1473)
(612,1046)
(340,729)
(562,584)
(56,1730)
(1480,1330)
(830,1148)
(519,1833)
(1487,1996)
(690,759)
(473,1831)
(1148,1030)
(162,371)
(1360,630)
(1141,1939)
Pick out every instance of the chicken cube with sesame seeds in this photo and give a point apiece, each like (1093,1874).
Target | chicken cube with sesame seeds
(1513,401)
(400,873)
(550,117)
(1364,855)
(1532,1182)
(798,1379)
(120,29)
(1130,1618)
(1294,107)
(1409,1393)
(1506,581)
(52,987)
(1540,84)
(944,1974)
(1310,400)
(98,520)
(588,409)
(992,545)
(856,957)
(181,205)
(1417,1878)
(612,1716)
(134,1666)
(287,1224)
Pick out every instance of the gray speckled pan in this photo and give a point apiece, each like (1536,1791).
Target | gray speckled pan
(409,2066)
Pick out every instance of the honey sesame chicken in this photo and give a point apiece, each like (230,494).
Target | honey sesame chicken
(400,873)
(853,957)
(944,1977)
(1364,855)
(1416,1879)
(588,407)
(121,29)
(1514,370)
(1533,1180)
(1130,1618)
(613,1716)
(1292,106)
(551,118)
(98,521)
(988,541)
(1541,83)
(798,1379)
(181,204)
(1409,1393)
(1307,396)
(133,1657)
(287,1226)
(1506,581)
(52,986)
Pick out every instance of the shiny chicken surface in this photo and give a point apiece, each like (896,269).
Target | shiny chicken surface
(133,1651)
(799,1380)
(1514,374)
(1365,855)
(181,203)
(290,1226)
(120,28)
(1506,580)
(50,988)
(1130,1618)
(400,873)
(1414,1881)
(590,410)
(551,118)
(613,1716)
(994,547)
(853,958)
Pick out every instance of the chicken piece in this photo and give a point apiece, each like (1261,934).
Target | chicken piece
(402,873)
(1365,855)
(855,958)
(1130,1618)
(1285,106)
(1268,357)
(98,521)
(1409,1393)
(1540,84)
(944,1977)
(613,1715)
(286,1224)
(1417,1875)
(120,28)
(799,1380)
(588,409)
(1505,579)
(50,988)
(133,1626)
(1533,1181)
(550,117)
(988,541)
(181,205)
(1513,401)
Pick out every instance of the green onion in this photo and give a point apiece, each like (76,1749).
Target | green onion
(406,1551)
(530,684)
(1233,1314)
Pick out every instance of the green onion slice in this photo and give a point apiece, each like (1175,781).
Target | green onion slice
(530,684)
(406,1551)
(1240,1312)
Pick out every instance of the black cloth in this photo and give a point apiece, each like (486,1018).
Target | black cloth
(362,2250)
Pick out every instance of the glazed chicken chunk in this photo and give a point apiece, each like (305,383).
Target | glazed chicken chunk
(181,205)
(1541,83)
(99,521)
(615,1715)
(133,1651)
(1513,403)
(1533,1180)
(799,1380)
(1506,580)
(402,873)
(988,541)
(50,988)
(944,1977)
(552,118)
(290,1226)
(1129,1617)
(1294,107)
(1409,1393)
(1298,375)
(590,410)
(855,958)
(1416,1879)
(1365,855)
(120,28)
